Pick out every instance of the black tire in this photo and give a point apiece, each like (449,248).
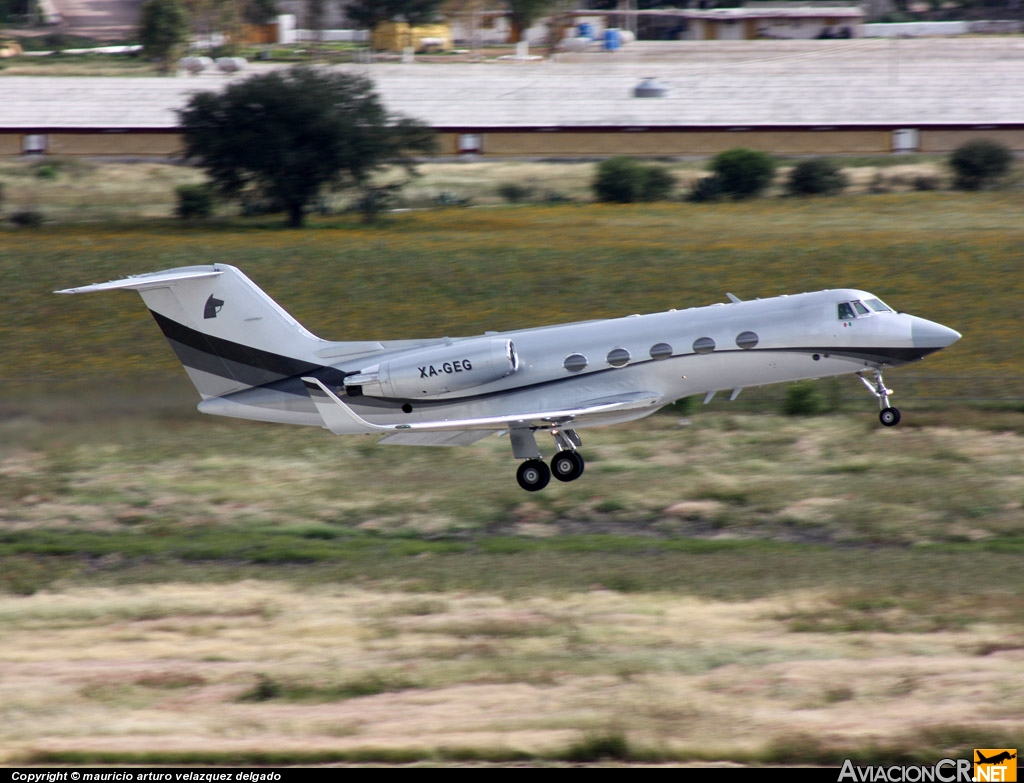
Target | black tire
(533,475)
(567,466)
(889,417)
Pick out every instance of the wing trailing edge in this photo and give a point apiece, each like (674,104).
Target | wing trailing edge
(340,419)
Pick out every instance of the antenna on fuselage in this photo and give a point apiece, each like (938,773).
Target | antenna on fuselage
(733,298)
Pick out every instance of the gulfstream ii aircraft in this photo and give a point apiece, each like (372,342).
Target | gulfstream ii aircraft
(250,359)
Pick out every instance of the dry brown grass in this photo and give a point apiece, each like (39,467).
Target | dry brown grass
(166,669)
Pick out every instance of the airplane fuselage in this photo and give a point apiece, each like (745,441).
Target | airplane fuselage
(250,359)
(678,353)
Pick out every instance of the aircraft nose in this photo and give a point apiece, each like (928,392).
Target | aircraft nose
(928,334)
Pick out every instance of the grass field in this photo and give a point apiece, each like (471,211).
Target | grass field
(723,584)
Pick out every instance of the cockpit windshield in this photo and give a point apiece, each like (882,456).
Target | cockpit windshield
(847,311)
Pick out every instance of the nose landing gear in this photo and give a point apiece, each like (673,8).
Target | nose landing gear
(888,415)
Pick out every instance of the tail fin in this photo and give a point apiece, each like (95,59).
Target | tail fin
(227,332)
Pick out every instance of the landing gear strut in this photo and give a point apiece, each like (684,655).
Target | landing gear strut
(888,415)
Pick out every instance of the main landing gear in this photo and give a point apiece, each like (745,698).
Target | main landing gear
(534,474)
(888,415)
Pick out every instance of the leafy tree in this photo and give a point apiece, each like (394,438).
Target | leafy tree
(743,173)
(163,29)
(523,13)
(978,163)
(611,5)
(316,15)
(369,13)
(259,11)
(18,10)
(288,136)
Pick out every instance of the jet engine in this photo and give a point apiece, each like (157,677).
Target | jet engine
(438,370)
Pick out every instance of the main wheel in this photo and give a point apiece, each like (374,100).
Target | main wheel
(533,475)
(567,466)
(889,417)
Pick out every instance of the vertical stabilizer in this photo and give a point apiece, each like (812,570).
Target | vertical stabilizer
(226,331)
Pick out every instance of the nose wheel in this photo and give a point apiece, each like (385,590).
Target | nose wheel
(888,415)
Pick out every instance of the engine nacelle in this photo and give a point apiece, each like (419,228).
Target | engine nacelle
(439,370)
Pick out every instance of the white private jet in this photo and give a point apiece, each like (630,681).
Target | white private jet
(250,359)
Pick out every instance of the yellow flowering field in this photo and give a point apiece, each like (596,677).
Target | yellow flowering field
(954,258)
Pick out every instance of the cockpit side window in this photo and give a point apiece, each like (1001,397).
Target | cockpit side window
(860,308)
(845,311)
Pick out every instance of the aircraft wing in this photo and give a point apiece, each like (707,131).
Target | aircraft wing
(339,418)
(435,438)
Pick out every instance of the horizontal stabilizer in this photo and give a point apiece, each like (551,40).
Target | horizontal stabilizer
(339,418)
(151,280)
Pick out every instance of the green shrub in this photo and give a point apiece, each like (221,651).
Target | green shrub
(194,201)
(743,173)
(706,189)
(979,163)
(879,184)
(613,745)
(802,399)
(816,177)
(617,180)
(623,180)
(656,183)
(514,193)
(375,200)
(27,218)
(448,199)
(926,182)
(265,689)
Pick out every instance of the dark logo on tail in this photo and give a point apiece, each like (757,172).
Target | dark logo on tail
(213,306)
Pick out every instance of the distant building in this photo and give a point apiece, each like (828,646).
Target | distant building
(781,21)
(737,24)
